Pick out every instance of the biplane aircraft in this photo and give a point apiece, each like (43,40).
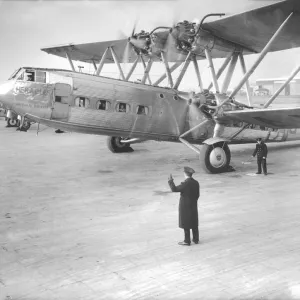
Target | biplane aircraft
(132,112)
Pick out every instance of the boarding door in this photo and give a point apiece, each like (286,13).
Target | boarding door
(61,101)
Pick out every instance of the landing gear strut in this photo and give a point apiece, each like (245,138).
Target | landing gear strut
(215,158)
(115,145)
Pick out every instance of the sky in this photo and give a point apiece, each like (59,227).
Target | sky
(28,26)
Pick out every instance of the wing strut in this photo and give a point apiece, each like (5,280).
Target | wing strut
(248,91)
(200,84)
(183,70)
(146,70)
(168,72)
(102,61)
(261,56)
(132,68)
(230,71)
(117,62)
(162,77)
(70,61)
(212,70)
(222,68)
(292,76)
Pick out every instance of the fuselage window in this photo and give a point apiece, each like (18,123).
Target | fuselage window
(82,102)
(142,110)
(123,107)
(40,76)
(103,105)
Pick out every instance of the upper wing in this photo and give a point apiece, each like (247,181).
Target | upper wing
(94,51)
(251,30)
(274,118)
(91,51)
(254,28)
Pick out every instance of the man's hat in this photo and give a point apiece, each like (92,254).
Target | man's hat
(188,170)
(258,139)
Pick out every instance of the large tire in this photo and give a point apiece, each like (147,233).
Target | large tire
(115,145)
(12,122)
(215,158)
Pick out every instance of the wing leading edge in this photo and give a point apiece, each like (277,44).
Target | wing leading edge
(284,118)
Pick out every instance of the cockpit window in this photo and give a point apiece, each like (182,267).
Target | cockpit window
(29,76)
(40,76)
(20,75)
(16,73)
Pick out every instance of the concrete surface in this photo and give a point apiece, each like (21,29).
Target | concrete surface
(78,222)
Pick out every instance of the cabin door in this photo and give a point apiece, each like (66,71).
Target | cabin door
(61,102)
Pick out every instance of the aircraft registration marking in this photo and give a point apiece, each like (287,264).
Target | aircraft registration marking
(31,105)
(23,88)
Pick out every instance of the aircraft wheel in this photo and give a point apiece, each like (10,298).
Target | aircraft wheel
(115,145)
(215,158)
(12,122)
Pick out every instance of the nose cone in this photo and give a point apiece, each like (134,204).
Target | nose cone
(6,93)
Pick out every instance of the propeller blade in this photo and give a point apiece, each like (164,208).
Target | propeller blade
(121,35)
(126,57)
(134,27)
(128,48)
(170,45)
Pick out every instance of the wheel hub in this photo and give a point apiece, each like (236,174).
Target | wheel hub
(217,157)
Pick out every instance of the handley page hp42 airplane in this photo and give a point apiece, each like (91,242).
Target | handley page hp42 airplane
(130,112)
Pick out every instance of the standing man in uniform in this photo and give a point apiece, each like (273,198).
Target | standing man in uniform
(261,151)
(188,210)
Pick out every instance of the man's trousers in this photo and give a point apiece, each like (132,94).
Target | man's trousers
(187,235)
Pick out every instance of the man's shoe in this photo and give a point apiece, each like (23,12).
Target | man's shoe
(266,173)
(196,242)
(258,173)
(184,244)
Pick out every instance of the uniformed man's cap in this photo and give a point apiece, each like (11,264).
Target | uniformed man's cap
(258,139)
(188,170)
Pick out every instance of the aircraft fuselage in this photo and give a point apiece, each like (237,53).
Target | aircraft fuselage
(84,103)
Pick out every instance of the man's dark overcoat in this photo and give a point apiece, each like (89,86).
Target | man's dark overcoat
(261,150)
(188,210)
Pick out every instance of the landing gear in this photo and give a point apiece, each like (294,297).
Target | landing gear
(115,145)
(23,126)
(215,158)
(12,122)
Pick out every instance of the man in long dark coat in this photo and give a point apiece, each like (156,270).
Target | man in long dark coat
(261,150)
(188,210)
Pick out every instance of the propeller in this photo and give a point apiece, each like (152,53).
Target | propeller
(128,48)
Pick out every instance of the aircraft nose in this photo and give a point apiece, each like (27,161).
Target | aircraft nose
(5,89)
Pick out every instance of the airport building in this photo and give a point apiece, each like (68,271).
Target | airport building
(273,84)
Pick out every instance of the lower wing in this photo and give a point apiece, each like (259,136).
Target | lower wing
(283,118)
